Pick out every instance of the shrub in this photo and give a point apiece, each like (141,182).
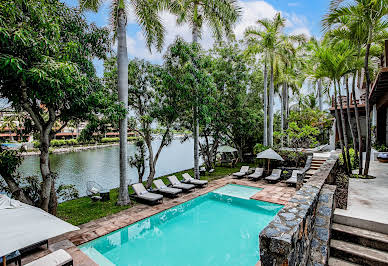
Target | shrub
(36,143)
(108,140)
(354,161)
(259,148)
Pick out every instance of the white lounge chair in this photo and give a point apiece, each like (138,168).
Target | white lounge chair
(243,171)
(275,176)
(175,183)
(293,179)
(257,174)
(165,190)
(57,258)
(141,193)
(188,179)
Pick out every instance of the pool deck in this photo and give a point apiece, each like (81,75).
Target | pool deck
(368,200)
(278,193)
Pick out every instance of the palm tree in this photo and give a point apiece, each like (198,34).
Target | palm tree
(220,16)
(367,16)
(147,16)
(268,42)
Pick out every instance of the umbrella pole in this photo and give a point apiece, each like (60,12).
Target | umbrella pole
(4,261)
(268,166)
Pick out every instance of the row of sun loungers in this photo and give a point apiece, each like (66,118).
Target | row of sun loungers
(274,177)
(188,183)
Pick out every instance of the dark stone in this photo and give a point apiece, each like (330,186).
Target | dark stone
(322,233)
(324,198)
(288,216)
(326,211)
(270,232)
(319,221)
(314,243)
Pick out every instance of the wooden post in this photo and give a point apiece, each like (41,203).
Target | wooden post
(386,53)
(4,261)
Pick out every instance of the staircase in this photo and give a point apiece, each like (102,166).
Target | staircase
(315,164)
(355,246)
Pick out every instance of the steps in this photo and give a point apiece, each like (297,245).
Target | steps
(355,246)
(315,164)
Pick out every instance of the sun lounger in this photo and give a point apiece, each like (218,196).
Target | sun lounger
(257,174)
(188,179)
(293,179)
(142,194)
(57,258)
(243,171)
(175,183)
(165,190)
(275,176)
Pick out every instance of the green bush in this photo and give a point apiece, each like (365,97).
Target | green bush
(259,148)
(108,140)
(354,161)
(36,143)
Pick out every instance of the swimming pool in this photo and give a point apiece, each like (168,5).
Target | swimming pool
(213,229)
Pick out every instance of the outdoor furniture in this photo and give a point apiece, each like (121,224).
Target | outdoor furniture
(175,183)
(243,171)
(105,195)
(165,190)
(26,225)
(202,171)
(57,258)
(293,179)
(34,246)
(269,154)
(275,176)
(188,179)
(93,190)
(13,257)
(142,194)
(383,157)
(257,174)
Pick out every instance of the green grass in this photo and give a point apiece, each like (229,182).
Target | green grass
(83,210)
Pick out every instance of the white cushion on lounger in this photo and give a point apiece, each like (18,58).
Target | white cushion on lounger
(57,258)
(94,190)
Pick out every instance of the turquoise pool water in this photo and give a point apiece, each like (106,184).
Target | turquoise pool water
(213,229)
(238,191)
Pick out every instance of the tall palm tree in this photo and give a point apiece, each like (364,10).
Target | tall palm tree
(147,16)
(368,15)
(220,16)
(269,42)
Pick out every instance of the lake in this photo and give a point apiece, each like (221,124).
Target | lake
(102,165)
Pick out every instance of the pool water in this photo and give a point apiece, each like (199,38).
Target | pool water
(238,191)
(213,229)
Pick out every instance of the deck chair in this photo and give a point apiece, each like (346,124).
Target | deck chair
(293,179)
(93,190)
(275,176)
(165,190)
(175,183)
(142,194)
(257,174)
(57,258)
(243,171)
(189,180)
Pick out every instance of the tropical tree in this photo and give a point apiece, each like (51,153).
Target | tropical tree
(220,16)
(147,16)
(367,16)
(46,70)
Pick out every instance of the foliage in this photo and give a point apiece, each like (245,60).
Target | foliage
(381,148)
(292,158)
(302,137)
(259,148)
(67,192)
(354,161)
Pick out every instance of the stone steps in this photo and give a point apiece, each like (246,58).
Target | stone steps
(355,253)
(360,236)
(339,262)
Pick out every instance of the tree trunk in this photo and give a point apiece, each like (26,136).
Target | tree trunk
(352,131)
(122,67)
(282,114)
(345,133)
(151,163)
(358,125)
(195,35)
(265,141)
(367,108)
(320,94)
(45,171)
(339,128)
(270,108)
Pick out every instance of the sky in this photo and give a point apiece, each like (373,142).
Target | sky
(302,16)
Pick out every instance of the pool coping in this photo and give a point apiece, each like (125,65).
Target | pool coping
(103,226)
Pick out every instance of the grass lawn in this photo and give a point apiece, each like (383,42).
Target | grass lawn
(83,210)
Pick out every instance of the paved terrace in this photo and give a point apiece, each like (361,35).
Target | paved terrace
(368,200)
(275,193)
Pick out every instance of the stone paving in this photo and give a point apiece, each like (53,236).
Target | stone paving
(275,193)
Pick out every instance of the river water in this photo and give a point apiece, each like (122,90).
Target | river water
(102,165)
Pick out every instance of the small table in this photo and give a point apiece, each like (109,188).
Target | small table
(104,194)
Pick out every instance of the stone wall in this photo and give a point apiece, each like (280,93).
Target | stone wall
(287,239)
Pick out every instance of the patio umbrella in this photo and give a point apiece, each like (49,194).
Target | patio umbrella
(225,148)
(269,154)
(22,225)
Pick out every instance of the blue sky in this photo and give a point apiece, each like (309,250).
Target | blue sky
(303,16)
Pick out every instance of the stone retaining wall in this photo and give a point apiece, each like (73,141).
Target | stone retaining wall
(287,239)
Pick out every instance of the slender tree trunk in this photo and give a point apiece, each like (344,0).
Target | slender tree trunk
(282,115)
(358,125)
(265,133)
(320,94)
(345,133)
(270,108)
(339,128)
(287,113)
(122,67)
(151,163)
(45,171)
(367,108)
(354,139)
